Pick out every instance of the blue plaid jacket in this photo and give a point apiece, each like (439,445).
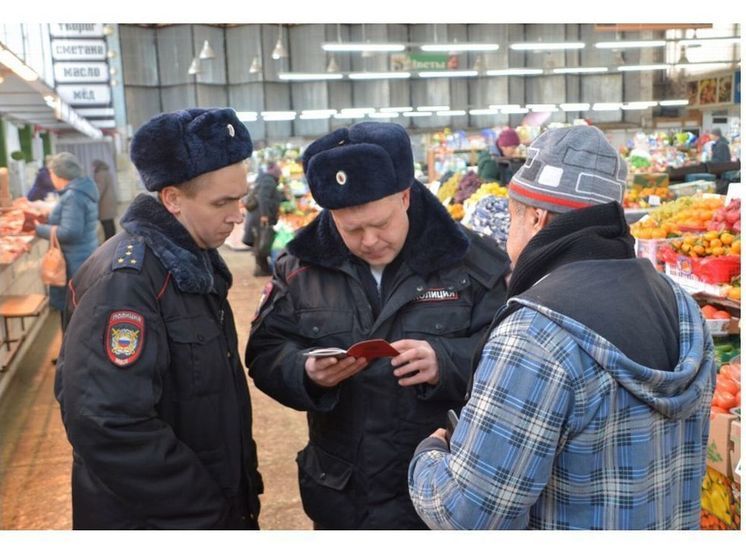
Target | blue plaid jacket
(563,431)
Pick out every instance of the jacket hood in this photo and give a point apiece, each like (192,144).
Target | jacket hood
(434,240)
(85,186)
(677,393)
(191,267)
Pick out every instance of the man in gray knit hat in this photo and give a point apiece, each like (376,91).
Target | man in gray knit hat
(590,405)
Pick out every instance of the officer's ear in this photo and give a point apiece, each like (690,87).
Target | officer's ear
(171,197)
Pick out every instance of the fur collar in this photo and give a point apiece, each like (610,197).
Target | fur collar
(191,267)
(434,240)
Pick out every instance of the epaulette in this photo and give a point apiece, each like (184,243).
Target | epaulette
(130,253)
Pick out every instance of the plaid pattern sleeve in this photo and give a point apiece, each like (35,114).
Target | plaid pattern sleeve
(509,432)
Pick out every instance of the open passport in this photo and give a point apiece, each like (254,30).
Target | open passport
(370,349)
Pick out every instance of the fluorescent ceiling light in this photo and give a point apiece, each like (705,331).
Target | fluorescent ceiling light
(395,109)
(360,47)
(503,107)
(414,114)
(483,112)
(379,75)
(433,108)
(515,72)
(246,116)
(541,108)
(300,76)
(703,65)
(384,115)
(516,111)
(449,74)
(581,70)
(17,65)
(316,116)
(278,115)
(546,46)
(460,47)
(358,110)
(638,105)
(630,44)
(643,67)
(350,115)
(575,106)
(324,112)
(708,41)
(673,102)
(451,113)
(606,106)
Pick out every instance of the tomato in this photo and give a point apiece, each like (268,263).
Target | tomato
(724,400)
(727,384)
(708,311)
(722,315)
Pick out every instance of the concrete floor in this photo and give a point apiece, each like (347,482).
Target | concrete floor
(35,457)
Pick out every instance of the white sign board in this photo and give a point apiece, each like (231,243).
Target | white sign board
(72,49)
(76,29)
(85,94)
(96,113)
(103,123)
(81,72)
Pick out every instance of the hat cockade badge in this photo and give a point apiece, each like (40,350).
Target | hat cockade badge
(231,130)
(341,178)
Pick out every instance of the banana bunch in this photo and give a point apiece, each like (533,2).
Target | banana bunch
(488,189)
(448,189)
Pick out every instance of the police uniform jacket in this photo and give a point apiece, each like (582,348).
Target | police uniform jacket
(446,288)
(153,395)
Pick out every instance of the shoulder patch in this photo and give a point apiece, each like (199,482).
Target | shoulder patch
(130,253)
(125,337)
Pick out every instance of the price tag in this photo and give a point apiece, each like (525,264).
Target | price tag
(654,200)
(734,191)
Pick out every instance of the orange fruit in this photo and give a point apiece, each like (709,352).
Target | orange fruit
(735,248)
(734,293)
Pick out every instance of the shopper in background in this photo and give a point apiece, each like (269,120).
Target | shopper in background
(75,218)
(153,394)
(508,162)
(590,405)
(107,204)
(42,183)
(382,260)
(264,217)
(721,148)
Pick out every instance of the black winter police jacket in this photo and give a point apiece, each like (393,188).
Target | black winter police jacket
(153,395)
(450,283)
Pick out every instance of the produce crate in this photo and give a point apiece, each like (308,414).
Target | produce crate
(648,180)
(681,273)
(649,248)
(719,443)
(692,188)
(721,502)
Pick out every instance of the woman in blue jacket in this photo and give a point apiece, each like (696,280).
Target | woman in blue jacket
(76,218)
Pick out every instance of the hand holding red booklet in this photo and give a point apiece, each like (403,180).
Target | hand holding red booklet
(370,349)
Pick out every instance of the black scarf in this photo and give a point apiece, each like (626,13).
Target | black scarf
(594,233)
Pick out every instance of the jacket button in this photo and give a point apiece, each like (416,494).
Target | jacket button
(463,281)
(322,476)
(228,354)
(315,329)
(450,288)
(200,338)
(420,288)
(439,326)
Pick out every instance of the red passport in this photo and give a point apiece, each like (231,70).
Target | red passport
(370,349)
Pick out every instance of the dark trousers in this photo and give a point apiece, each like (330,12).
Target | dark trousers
(109,228)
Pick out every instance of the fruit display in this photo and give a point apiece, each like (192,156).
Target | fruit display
(488,189)
(727,218)
(711,243)
(468,185)
(641,197)
(688,213)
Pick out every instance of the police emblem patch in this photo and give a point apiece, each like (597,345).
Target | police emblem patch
(125,336)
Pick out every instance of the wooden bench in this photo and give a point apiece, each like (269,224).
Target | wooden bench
(18,307)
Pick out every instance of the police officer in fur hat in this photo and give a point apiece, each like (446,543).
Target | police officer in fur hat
(153,395)
(383,260)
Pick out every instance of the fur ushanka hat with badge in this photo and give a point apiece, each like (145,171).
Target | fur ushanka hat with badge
(356,165)
(172,148)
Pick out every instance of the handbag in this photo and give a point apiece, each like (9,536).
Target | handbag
(250,201)
(53,267)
